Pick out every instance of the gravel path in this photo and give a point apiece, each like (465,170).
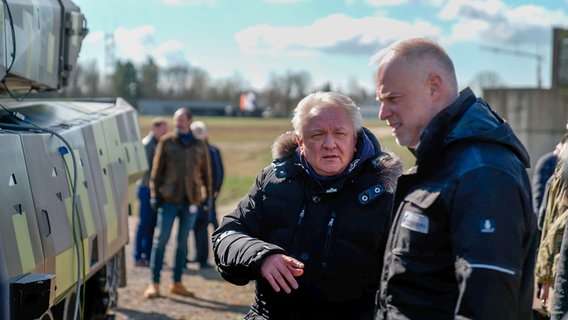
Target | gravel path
(215,298)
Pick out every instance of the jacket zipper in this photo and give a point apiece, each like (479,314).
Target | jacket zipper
(297,232)
(327,244)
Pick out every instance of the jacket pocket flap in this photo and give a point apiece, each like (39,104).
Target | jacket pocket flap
(423,198)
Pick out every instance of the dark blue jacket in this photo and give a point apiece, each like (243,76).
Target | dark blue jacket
(463,240)
(542,172)
(217,170)
(338,230)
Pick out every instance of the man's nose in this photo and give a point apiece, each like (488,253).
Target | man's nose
(384,111)
(329,141)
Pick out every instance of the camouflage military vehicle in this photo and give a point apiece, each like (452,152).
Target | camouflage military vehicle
(66,168)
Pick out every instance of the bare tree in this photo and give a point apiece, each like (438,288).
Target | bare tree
(84,81)
(229,89)
(173,80)
(149,79)
(199,84)
(284,92)
(485,80)
(91,80)
(125,82)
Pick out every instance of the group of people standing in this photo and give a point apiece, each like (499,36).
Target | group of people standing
(333,229)
(183,181)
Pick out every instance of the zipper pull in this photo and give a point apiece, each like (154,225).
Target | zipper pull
(301,216)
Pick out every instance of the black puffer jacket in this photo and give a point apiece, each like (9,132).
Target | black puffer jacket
(463,242)
(338,231)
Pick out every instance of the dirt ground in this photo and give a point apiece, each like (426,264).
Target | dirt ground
(215,298)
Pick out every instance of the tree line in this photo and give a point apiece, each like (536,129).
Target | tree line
(149,81)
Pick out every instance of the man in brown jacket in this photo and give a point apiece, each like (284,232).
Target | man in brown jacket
(180,181)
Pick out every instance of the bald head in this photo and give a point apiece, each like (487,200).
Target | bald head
(426,58)
(415,80)
(182,120)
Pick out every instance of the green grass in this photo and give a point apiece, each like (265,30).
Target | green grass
(245,145)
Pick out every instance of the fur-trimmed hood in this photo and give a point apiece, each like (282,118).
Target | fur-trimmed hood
(386,163)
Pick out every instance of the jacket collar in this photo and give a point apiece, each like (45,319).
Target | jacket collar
(287,163)
(467,119)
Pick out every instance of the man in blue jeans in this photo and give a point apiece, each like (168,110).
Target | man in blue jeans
(181,172)
(147,216)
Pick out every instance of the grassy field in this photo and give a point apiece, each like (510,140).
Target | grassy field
(245,145)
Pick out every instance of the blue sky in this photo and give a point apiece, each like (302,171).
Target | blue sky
(332,40)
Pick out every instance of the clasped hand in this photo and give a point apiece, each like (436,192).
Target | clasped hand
(154,204)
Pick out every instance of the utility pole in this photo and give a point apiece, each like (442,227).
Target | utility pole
(520,53)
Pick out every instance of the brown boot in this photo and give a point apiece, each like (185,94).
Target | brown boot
(178,288)
(153,291)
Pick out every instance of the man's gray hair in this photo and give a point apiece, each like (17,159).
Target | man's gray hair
(324,99)
(199,129)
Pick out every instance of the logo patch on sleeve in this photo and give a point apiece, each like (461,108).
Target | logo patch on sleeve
(487,226)
(415,222)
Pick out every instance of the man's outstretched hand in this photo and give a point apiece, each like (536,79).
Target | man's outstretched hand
(280,271)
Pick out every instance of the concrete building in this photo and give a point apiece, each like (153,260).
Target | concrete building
(538,116)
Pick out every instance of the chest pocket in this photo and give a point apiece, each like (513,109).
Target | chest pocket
(420,224)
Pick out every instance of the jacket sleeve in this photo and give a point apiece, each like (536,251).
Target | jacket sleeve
(493,235)
(543,170)
(548,250)
(217,169)
(237,247)
(157,173)
(206,172)
(559,306)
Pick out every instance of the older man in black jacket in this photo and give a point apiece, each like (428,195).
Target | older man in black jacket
(313,227)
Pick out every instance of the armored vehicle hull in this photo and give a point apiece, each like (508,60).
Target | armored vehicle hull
(64,188)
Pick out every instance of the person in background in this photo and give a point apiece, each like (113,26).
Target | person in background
(180,181)
(543,172)
(207,211)
(463,239)
(554,214)
(147,216)
(559,304)
(312,229)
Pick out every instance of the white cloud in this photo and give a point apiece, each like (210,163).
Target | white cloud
(170,53)
(493,21)
(468,30)
(471,9)
(390,3)
(189,2)
(535,15)
(381,3)
(135,43)
(93,37)
(334,34)
(284,1)
(168,46)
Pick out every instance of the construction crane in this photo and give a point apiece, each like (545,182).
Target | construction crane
(536,56)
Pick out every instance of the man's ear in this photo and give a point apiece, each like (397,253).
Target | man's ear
(435,85)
